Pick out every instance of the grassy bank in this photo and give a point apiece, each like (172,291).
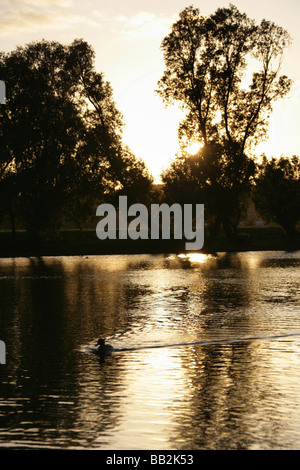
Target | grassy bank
(74,242)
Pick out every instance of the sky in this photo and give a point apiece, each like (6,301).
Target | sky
(126,36)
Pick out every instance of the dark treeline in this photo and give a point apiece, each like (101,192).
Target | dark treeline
(61,139)
(61,148)
(207,60)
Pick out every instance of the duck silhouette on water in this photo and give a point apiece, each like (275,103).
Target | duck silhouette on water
(103,349)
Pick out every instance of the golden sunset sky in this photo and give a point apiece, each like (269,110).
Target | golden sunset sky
(126,36)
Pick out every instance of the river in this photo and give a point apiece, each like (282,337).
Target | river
(214,359)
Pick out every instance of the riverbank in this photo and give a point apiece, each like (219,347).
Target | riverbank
(76,243)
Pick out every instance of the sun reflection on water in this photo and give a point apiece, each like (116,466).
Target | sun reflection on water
(153,386)
(195,257)
(172,391)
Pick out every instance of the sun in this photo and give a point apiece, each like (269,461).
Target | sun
(193,147)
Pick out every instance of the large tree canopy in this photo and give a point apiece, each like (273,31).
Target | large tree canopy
(208,61)
(61,134)
(223,70)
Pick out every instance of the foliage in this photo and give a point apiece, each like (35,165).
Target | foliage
(60,134)
(207,60)
(277,192)
(205,64)
(216,179)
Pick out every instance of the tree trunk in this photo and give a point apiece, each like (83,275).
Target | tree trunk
(230,230)
(12,221)
(214,229)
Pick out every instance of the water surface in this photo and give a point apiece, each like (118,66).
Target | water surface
(230,394)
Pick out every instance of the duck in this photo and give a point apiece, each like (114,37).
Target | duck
(104,349)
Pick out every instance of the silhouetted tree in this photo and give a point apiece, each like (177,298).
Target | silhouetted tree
(277,192)
(212,176)
(206,60)
(39,129)
(60,133)
(8,198)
